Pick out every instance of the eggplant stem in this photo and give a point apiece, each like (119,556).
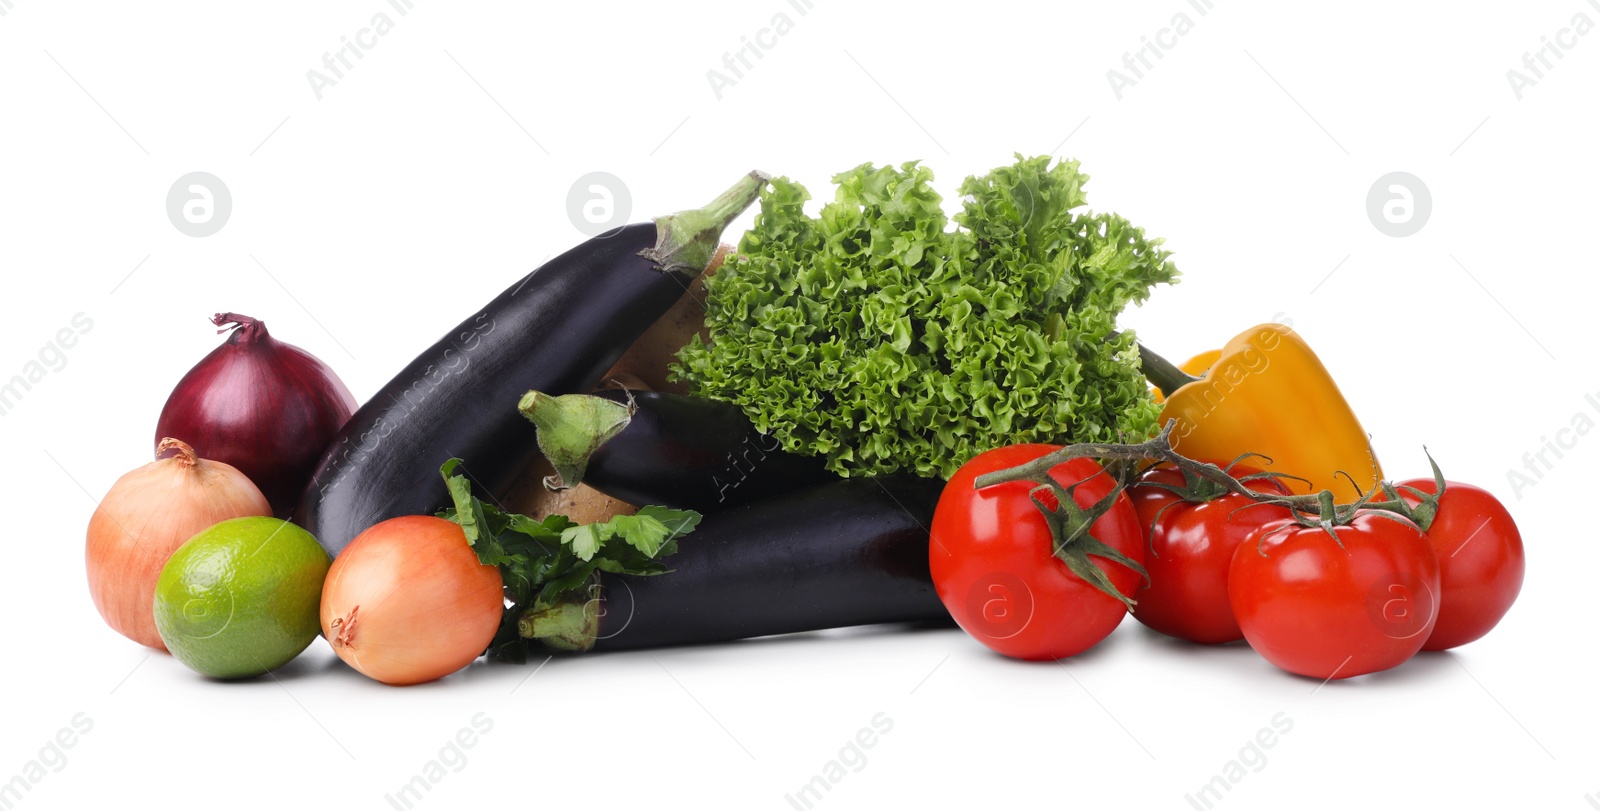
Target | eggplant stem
(686,242)
(572,624)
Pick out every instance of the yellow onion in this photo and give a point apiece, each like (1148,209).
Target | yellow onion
(149,513)
(408,601)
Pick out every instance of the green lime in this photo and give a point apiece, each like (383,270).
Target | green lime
(241,597)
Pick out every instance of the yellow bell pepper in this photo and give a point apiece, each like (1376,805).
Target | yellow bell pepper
(1267,393)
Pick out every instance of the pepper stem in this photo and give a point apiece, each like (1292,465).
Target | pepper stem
(1160,371)
(687,241)
(571,428)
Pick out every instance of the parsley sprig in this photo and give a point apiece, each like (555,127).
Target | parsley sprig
(545,561)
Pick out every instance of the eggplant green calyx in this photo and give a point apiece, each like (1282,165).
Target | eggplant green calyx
(686,241)
(571,624)
(548,566)
(571,428)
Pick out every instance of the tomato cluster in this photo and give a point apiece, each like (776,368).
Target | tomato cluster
(1212,566)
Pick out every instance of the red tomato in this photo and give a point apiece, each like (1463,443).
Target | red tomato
(1191,545)
(1480,561)
(1318,609)
(994,566)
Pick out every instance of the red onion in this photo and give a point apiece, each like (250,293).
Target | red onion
(261,405)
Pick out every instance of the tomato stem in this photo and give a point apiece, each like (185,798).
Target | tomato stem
(1312,510)
(1070,530)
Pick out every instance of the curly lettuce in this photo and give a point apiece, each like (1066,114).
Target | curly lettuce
(878,337)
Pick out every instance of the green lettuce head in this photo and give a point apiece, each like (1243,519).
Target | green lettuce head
(876,336)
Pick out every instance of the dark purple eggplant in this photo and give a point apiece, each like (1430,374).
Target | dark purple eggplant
(558,330)
(676,451)
(853,552)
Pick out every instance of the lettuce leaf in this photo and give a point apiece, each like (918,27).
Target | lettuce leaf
(882,338)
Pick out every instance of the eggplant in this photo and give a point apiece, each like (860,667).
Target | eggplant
(558,330)
(852,552)
(677,451)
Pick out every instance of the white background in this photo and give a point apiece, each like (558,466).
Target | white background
(367,223)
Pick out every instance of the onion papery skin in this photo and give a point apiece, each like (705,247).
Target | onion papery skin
(147,515)
(408,601)
(266,407)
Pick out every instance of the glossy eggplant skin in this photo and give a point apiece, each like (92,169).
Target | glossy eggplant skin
(557,330)
(691,453)
(853,552)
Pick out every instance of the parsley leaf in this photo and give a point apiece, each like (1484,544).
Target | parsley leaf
(543,562)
